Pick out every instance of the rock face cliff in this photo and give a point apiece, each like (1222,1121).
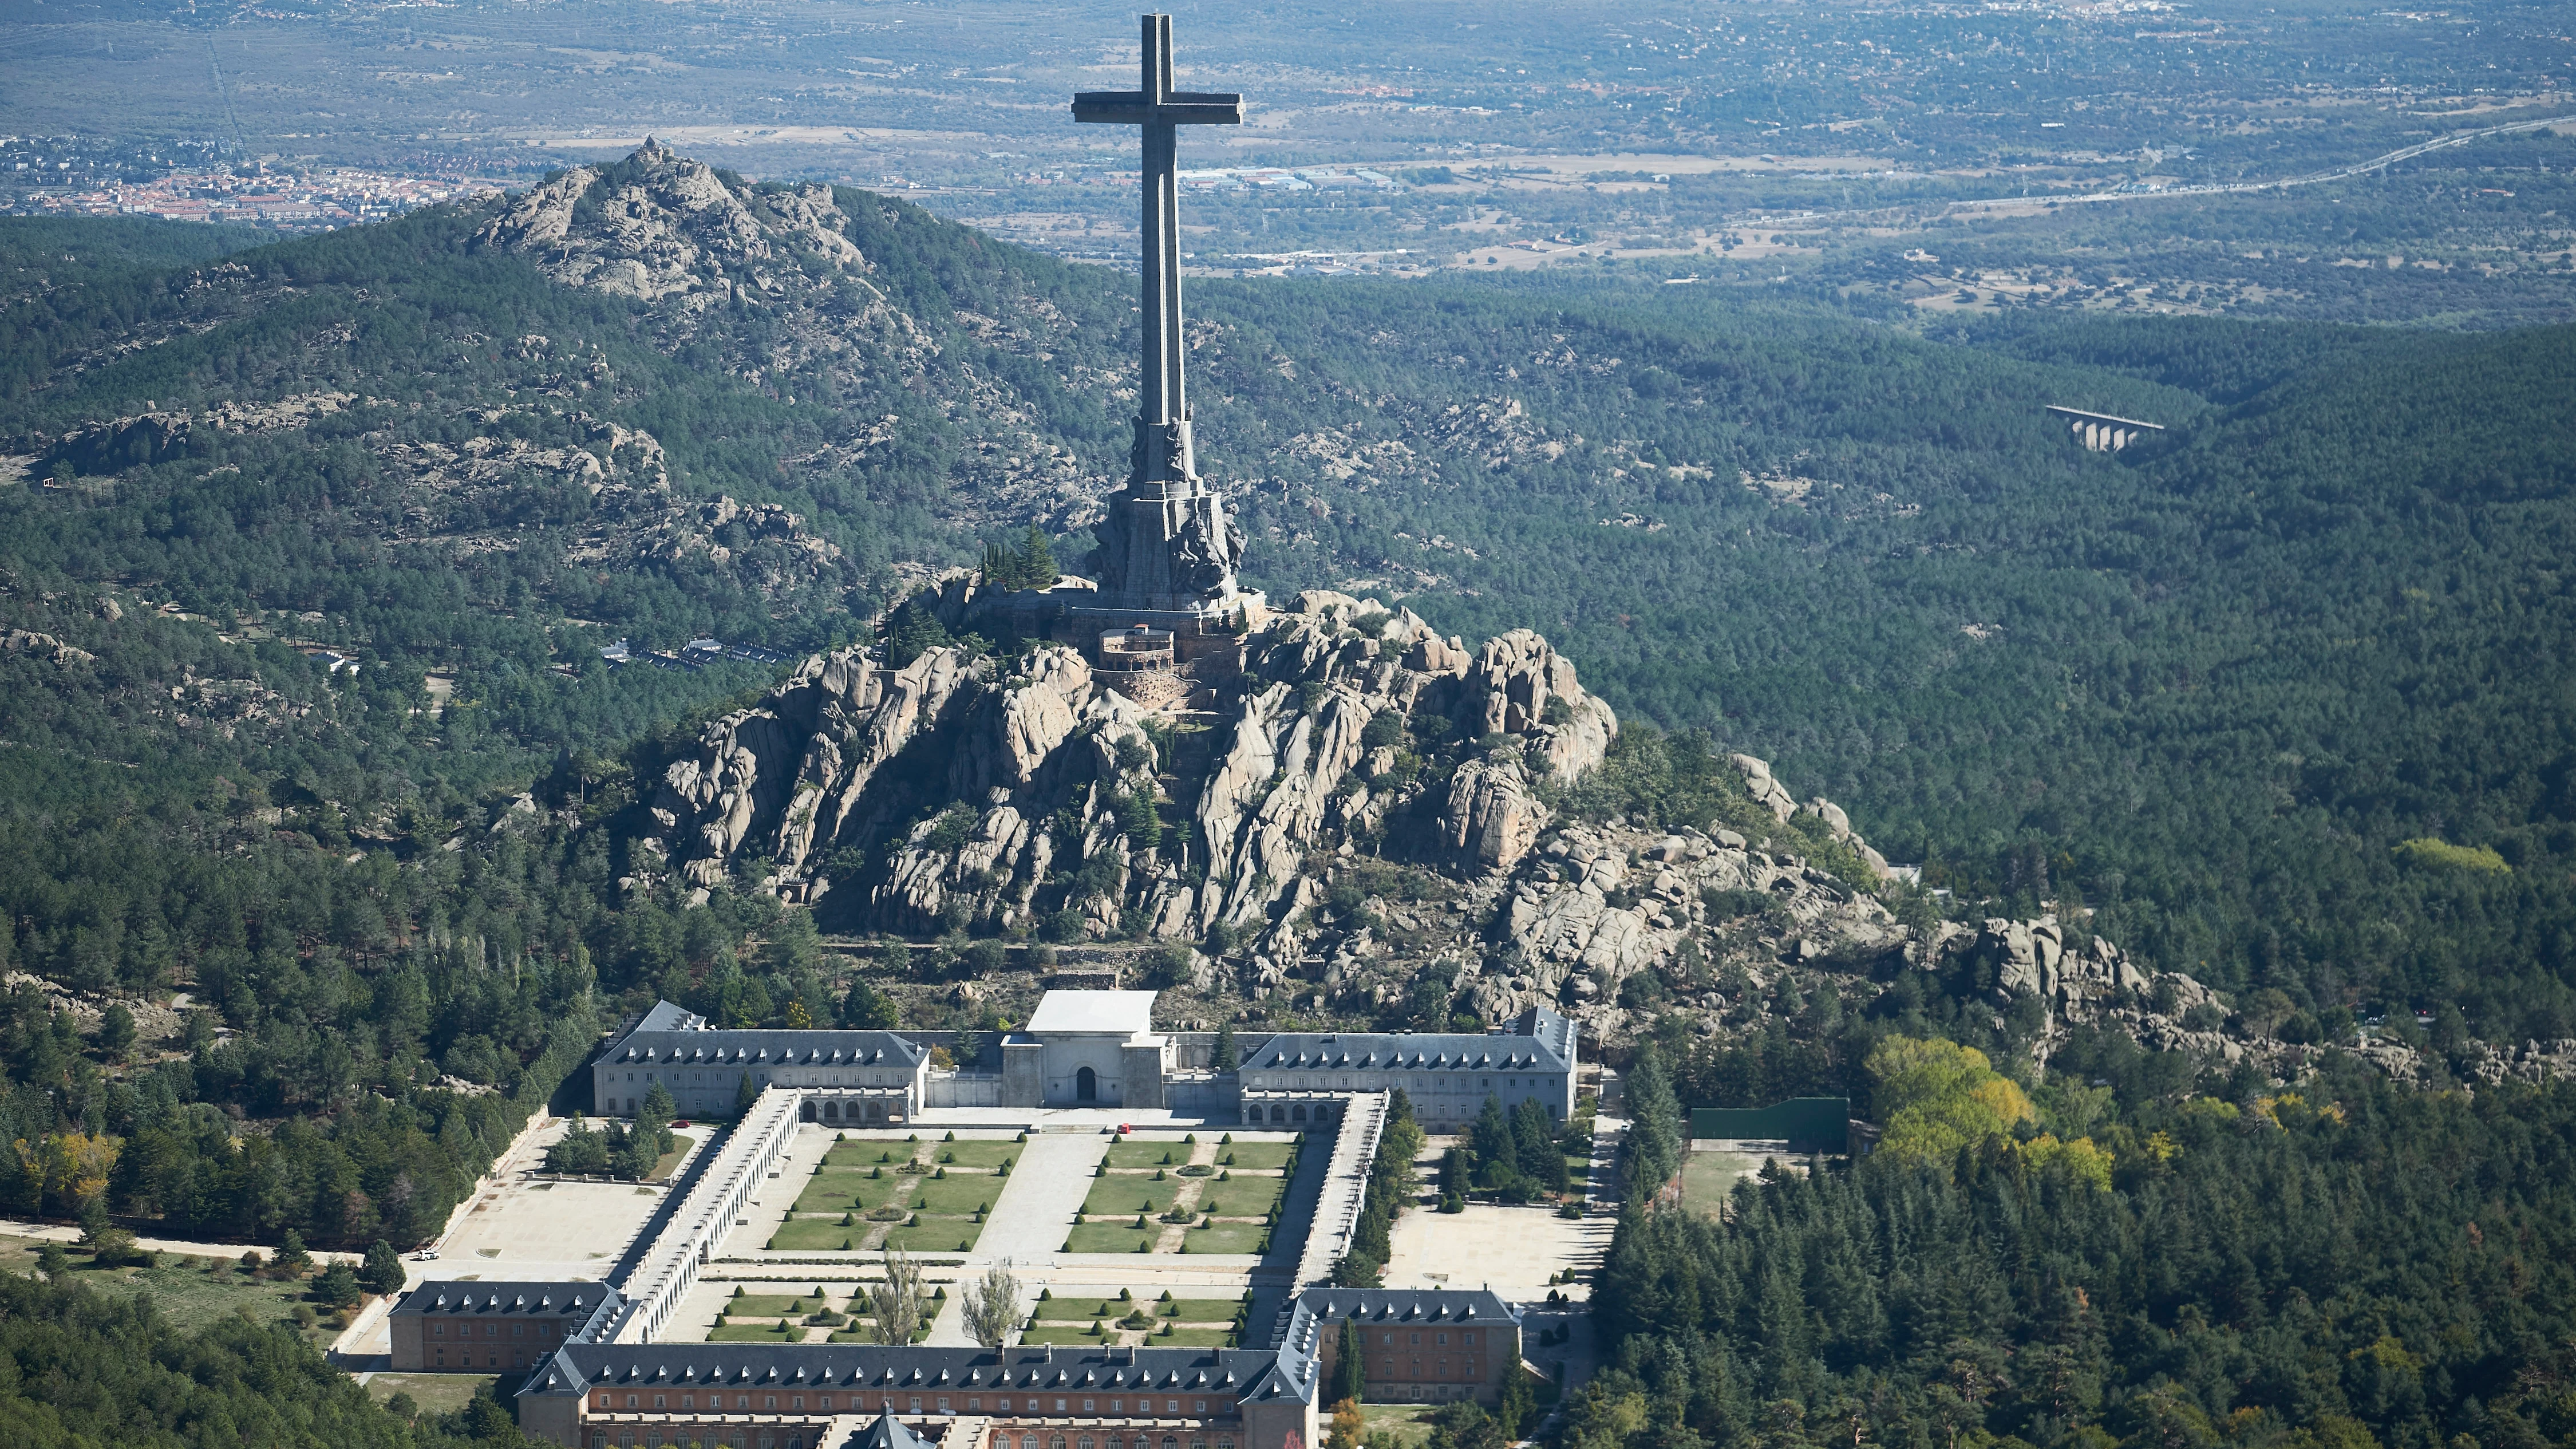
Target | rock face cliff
(1004,793)
(1371,823)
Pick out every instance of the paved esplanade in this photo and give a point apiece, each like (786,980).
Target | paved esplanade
(1166,544)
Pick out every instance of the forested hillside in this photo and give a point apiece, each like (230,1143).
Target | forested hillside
(79,1367)
(2124,1253)
(2281,693)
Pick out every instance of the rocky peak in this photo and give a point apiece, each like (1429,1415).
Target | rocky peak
(1039,809)
(661,225)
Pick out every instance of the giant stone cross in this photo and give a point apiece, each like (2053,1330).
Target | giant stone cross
(1166,545)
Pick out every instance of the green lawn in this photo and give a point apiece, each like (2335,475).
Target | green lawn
(1203,1310)
(1245,1197)
(1100,1238)
(1132,1153)
(1707,1178)
(185,1292)
(1192,1338)
(1260,1156)
(975,1156)
(771,1305)
(864,1152)
(1067,1335)
(835,1191)
(819,1234)
(1073,1308)
(1228,1238)
(1409,1424)
(958,1196)
(1111,1196)
(433,1393)
(754,1332)
(936,1235)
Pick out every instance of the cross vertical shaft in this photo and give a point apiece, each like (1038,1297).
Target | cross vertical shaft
(1163,452)
(1164,398)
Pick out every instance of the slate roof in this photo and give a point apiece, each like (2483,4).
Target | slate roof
(587,1309)
(888,1432)
(1422,1305)
(665,1016)
(1425,1051)
(813,1046)
(445,1297)
(1246,1373)
(1557,1030)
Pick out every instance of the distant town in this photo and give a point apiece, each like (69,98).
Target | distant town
(211,182)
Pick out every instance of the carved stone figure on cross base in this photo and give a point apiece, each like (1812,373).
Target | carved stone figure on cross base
(1167,543)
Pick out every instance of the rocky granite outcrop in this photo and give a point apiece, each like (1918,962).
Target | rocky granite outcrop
(1006,792)
(659,225)
(1294,827)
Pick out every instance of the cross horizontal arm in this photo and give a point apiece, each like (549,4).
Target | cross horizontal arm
(1180,108)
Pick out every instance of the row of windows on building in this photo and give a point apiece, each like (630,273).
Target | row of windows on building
(729,1080)
(606,1399)
(491,1330)
(1001,1440)
(1467,1368)
(465,1358)
(1300,1082)
(831,1109)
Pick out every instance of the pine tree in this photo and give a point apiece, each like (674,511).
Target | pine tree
(384,1271)
(1037,561)
(865,1008)
(1350,1377)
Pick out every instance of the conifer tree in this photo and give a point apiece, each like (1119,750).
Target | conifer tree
(1350,1377)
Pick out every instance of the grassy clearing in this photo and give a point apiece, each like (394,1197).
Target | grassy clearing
(1111,1196)
(1707,1178)
(434,1393)
(1192,1338)
(1202,1310)
(187,1291)
(1408,1424)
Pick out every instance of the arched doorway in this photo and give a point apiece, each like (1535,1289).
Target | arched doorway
(1086,1086)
